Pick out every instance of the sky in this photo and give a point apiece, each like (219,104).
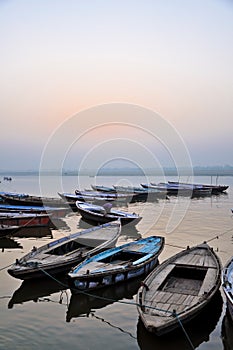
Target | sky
(66,67)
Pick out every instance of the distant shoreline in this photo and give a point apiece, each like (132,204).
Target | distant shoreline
(197,171)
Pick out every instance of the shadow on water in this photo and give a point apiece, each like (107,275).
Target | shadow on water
(83,304)
(198,330)
(127,231)
(9,243)
(36,289)
(227,332)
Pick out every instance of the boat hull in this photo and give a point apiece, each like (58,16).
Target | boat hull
(109,279)
(117,265)
(179,289)
(227,285)
(35,220)
(60,255)
(90,214)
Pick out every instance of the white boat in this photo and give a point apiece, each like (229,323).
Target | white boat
(60,255)
(97,214)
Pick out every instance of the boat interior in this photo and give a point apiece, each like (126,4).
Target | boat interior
(184,280)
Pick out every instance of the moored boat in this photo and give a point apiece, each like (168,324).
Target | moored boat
(55,212)
(24,219)
(182,189)
(178,289)
(102,188)
(60,255)
(97,214)
(31,200)
(227,285)
(149,194)
(214,189)
(95,199)
(116,265)
(199,330)
(107,196)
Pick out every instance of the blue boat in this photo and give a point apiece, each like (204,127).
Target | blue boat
(116,265)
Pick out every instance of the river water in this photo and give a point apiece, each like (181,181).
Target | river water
(44,315)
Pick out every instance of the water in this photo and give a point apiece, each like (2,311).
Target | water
(45,316)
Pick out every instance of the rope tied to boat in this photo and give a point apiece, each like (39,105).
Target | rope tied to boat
(183,329)
(172,313)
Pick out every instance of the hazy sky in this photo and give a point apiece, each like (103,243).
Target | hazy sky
(59,58)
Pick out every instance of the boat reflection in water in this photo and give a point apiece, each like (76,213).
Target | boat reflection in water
(9,243)
(127,231)
(227,332)
(82,304)
(58,224)
(33,290)
(130,232)
(198,330)
(38,232)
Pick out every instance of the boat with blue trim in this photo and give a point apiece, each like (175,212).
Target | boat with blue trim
(116,265)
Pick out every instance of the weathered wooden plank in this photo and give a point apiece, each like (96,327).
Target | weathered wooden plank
(177,308)
(156,282)
(160,296)
(160,309)
(189,299)
(209,261)
(208,282)
(177,299)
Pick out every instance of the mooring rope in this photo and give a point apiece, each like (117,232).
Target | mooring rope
(125,303)
(112,325)
(5,267)
(220,235)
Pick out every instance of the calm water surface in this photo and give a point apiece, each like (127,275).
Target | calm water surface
(44,315)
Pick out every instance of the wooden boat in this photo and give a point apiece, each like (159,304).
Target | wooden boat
(102,188)
(151,194)
(98,215)
(30,200)
(199,330)
(55,212)
(215,189)
(181,189)
(6,230)
(60,255)
(179,289)
(24,219)
(116,265)
(227,285)
(116,197)
(95,199)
